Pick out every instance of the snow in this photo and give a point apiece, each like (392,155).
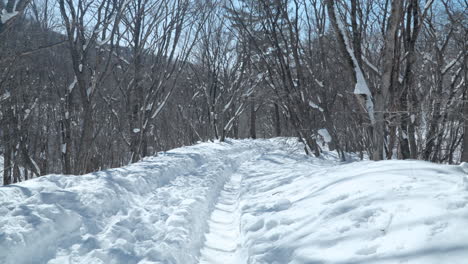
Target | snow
(313,105)
(242,201)
(222,239)
(451,63)
(89,91)
(149,212)
(320,83)
(361,87)
(428,5)
(362,212)
(5,96)
(5,15)
(73,84)
(325,135)
(404,135)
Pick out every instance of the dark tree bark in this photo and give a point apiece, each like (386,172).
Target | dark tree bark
(464,156)
(383,95)
(253,120)
(277,120)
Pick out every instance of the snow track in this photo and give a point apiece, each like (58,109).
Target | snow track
(153,211)
(222,239)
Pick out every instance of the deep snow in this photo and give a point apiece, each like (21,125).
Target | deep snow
(244,201)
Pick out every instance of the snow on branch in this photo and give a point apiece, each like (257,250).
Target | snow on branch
(11,9)
(452,63)
(5,15)
(361,87)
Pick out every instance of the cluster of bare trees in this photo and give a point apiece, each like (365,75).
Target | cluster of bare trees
(417,76)
(93,84)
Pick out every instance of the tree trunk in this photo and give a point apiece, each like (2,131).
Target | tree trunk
(277,121)
(65,132)
(391,141)
(136,95)
(16,173)
(405,121)
(383,95)
(408,97)
(464,156)
(86,141)
(6,158)
(436,116)
(253,120)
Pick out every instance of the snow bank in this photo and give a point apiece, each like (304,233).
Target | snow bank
(363,212)
(153,211)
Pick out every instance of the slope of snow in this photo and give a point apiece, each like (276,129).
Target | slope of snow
(244,201)
(362,212)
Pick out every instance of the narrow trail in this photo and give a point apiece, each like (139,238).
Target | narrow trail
(222,239)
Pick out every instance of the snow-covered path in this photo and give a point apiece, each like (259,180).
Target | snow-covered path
(222,239)
(242,202)
(154,211)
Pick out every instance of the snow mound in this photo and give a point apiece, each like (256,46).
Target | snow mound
(363,212)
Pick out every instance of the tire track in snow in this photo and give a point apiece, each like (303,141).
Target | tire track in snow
(222,239)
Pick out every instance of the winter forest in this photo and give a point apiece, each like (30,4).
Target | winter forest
(87,85)
(233,131)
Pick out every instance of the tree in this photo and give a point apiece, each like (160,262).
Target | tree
(9,11)
(90,71)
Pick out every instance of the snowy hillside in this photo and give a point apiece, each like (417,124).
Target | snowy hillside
(244,201)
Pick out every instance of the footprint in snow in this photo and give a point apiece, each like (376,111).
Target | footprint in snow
(281,204)
(337,199)
(457,205)
(344,229)
(367,250)
(277,206)
(436,227)
(271,224)
(255,226)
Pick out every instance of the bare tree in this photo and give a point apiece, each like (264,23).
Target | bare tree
(9,11)
(89,71)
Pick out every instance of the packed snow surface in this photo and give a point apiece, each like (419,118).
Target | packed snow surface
(243,201)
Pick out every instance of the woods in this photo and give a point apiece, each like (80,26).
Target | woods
(93,84)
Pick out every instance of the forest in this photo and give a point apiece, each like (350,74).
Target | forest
(87,85)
